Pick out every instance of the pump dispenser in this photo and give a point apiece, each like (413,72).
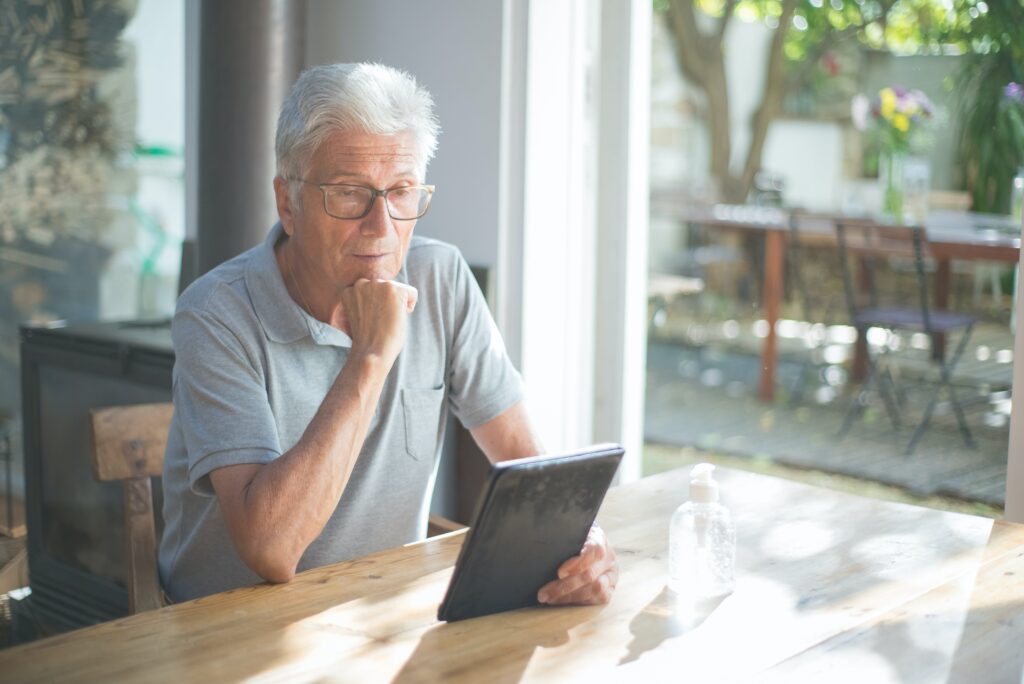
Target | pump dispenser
(702,540)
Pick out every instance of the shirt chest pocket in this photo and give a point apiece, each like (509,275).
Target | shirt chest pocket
(421,413)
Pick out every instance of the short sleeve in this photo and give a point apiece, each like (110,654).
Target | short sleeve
(220,399)
(482,381)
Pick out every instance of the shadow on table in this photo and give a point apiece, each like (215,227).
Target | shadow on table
(933,646)
(665,617)
(458,648)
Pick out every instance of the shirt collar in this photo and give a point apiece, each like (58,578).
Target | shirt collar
(282,318)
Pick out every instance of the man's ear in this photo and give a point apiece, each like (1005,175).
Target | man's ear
(285,209)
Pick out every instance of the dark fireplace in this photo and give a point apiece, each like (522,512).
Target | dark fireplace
(75,540)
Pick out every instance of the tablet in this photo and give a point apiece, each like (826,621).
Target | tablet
(533,515)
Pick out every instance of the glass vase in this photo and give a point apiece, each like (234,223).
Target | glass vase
(891,174)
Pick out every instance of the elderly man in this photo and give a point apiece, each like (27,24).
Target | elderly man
(314,372)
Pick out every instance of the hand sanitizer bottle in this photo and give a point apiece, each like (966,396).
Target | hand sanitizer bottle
(702,540)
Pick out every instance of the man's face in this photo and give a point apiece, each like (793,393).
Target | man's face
(345,250)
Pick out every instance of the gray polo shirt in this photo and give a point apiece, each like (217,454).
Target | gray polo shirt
(251,371)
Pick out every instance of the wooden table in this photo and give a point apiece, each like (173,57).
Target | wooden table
(829,586)
(951,235)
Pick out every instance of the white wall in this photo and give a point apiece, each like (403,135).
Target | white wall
(454,48)
(809,155)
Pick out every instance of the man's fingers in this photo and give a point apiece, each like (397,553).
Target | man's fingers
(412,294)
(592,553)
(569,567)
(596,592)
(586,573)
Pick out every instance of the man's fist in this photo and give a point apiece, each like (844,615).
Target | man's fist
(376,312)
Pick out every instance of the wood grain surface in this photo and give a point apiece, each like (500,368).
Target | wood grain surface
(129,441)
(825,580)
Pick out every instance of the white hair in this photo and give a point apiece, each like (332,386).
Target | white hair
(371,98)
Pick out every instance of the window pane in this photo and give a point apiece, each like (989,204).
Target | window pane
(758,355)
(91,171)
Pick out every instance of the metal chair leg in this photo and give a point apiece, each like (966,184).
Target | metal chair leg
(796,392)
(860,403)
(891,407)
(961,420)
(923,425)
(945,372)
(876,378)
(900,395)
(855,410)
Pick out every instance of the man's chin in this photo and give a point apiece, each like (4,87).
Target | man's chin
(377,269)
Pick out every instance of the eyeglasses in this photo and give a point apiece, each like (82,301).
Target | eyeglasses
(405,203)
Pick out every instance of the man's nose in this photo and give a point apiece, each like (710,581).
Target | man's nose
(378,221)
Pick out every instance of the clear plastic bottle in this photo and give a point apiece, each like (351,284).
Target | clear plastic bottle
(702,540)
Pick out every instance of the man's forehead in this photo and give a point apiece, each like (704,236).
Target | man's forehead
(356,146)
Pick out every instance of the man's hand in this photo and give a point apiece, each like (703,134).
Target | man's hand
(375,316)
(588,578)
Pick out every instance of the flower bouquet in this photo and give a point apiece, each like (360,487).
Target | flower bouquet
(897,119)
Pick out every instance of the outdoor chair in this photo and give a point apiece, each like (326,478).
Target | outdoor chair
(869,243)
(128,446)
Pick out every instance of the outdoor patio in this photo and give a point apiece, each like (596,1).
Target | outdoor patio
(702,374)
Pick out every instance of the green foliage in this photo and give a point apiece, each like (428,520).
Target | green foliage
(822,42)
(992,134)
(903,26)
(989,32)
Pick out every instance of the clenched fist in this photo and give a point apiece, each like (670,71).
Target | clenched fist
(376,313)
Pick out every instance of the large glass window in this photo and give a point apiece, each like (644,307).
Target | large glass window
(795,133)
(91,172)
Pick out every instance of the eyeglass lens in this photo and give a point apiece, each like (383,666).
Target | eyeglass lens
(349,202)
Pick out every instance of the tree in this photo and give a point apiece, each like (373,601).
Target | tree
(804,32)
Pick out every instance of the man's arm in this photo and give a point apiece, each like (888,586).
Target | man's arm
(274,511)
(508,436)
(587,578)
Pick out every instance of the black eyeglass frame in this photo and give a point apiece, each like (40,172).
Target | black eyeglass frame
(374,194)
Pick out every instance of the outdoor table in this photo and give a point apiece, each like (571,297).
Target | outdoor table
(951,235)
(830,586)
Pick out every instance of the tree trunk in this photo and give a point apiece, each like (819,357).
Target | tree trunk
(702,61)
(771,99)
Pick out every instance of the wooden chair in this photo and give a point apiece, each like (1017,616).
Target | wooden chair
(128,446)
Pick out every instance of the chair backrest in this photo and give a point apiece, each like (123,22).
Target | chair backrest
(870,242)
(128,445)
